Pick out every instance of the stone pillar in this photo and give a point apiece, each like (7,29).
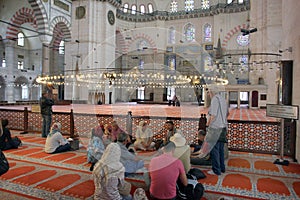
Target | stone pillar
(11,64)
(45,59)
(238,100)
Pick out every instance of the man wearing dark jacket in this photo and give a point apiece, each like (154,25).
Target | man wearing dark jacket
(46,103)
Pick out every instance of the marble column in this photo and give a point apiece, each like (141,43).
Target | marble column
(11,64)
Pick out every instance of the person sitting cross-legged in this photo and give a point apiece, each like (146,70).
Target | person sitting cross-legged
(130,161)
(144,137)
(109,176)
(96,146)
(164,171)
(55,142)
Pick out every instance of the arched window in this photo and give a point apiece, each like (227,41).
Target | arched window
(171,39)
(142,45)
(240,1)
(173,6)
(189,32)
(24,91)
(61,48)
(125,8)
(150,8)
(141,93)
(133,9)
(189,5)
(208,65)
(207,33)
(204,4)
(21,39)
(229,1)
(142,9)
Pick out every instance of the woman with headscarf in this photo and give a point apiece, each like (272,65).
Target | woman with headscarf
(109,176)
(96,146)
(55,142)
(6,141)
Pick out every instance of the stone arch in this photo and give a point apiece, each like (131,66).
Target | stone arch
(2,88)
(40,15)
(60,28)
(232,32)
(24,15)
(142,36)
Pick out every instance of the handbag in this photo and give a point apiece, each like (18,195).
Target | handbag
(4,166)
(223,137)
(223,134)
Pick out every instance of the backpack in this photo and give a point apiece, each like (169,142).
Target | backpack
(4,166)
(190,192)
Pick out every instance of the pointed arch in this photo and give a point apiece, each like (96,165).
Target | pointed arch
(23,15)
(60,28)
(40,15)
(231,33)
(142,36)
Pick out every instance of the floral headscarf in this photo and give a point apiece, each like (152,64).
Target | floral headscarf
(109,165)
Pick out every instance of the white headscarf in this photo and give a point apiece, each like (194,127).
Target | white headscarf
(109,165)
(56,127)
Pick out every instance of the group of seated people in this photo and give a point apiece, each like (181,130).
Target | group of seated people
(111,161)
(101,144)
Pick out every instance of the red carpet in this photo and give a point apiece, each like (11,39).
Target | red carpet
(35,177)
(248,176)
(17,171)
(269,185)
(59,182)
(237,181)
(82,190)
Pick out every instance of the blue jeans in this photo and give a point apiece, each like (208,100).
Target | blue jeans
(47,120)
(63,148)
(217,158)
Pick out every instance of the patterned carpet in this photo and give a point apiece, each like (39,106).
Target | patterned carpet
(34,174)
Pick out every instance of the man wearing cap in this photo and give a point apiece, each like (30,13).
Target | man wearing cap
(46,103)
(182,151)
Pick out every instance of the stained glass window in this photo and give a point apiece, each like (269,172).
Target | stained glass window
(173,6)
(150,8)
(208,64)
(205,4)
(125,8)
(133,9)
(189,5)
(171,39)
(189,32)
(142,9)
(207,33)
(243,40)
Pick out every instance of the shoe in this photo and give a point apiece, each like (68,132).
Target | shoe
(92,167)
(211,172)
